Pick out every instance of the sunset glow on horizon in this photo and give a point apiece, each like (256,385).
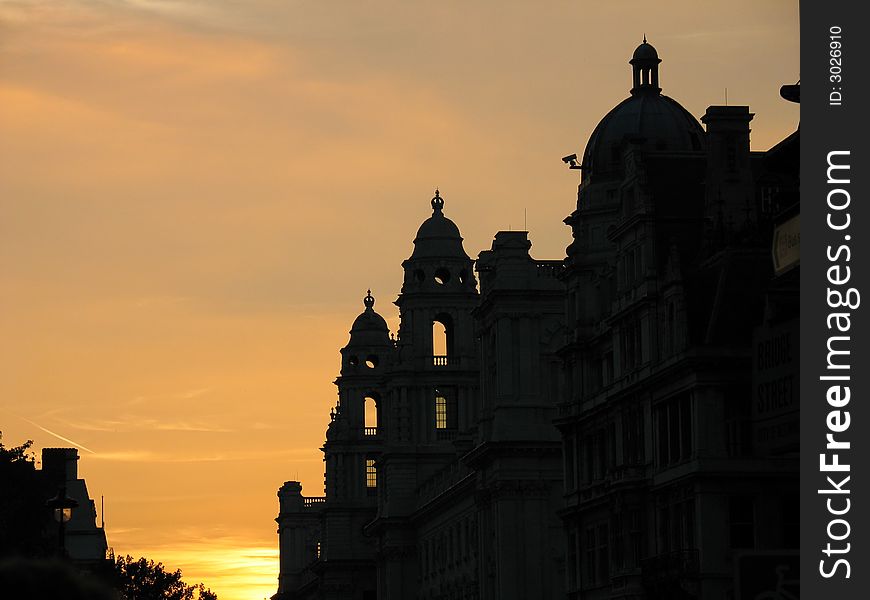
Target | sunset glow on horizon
(195,197)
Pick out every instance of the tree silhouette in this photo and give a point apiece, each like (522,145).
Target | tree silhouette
(23,516)
(143,579)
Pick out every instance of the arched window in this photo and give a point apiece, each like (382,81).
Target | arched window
(371,416)
(442,339)
(439,339)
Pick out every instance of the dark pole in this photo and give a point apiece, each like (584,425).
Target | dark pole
(61,538)
(61,526)
(62,508)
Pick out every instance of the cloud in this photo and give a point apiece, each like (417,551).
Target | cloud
(52,433)
(148,456)
(171,396)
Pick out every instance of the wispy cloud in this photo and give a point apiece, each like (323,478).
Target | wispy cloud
(136,422)
(170,396)
(149,456)
(58,436)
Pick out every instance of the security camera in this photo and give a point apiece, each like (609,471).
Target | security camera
(571,158)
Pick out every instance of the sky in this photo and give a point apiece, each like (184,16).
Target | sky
(196,194)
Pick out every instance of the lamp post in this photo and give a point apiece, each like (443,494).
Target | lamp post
(62,507)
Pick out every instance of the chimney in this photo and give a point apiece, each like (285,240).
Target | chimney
(60,465)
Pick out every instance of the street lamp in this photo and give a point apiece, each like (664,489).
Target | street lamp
(62,507)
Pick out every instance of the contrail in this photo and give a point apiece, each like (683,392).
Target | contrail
(57,435)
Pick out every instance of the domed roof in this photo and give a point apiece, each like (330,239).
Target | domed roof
(645,52)
(369,328)
(438,236)
(656,121)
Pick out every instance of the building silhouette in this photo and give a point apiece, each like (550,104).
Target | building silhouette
(84,541)
(621,423)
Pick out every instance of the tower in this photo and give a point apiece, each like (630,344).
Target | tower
(432,395)
(351,452)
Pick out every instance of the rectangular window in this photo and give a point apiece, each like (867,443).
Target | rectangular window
(674,430)
(636,539)
(603,553)
(632,344)
(440,412)
(632,432)
(618,542)
(665,528)
(608,368)
(446,410)
(572,561)
(371,474)
(741,513)
(569,464)
(591,569)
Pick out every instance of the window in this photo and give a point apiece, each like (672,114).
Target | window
(442,276)
(632,433)
(569,464)
(371,474)
(665,528)
(588,460)
(684,525)
(632,350)
(741,513)
(603,551)
(371,416)
(440,412)
(632,266)
(618,542)
(674,429)
(635,535)
(738,432)
(445,409)
(597,555)
(439,339)
(572,561)
(442,339)
(591,568)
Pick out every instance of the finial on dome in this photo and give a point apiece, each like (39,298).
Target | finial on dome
(369,300)
(437,202)
(644,37)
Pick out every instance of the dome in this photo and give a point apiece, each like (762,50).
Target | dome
(369,328)
(656,121)
(645,52)
(438,236)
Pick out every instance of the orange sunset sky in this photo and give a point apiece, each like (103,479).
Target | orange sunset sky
(195,195)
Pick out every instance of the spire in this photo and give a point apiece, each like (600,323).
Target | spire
(644,37)
(369,300)
(437,202)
